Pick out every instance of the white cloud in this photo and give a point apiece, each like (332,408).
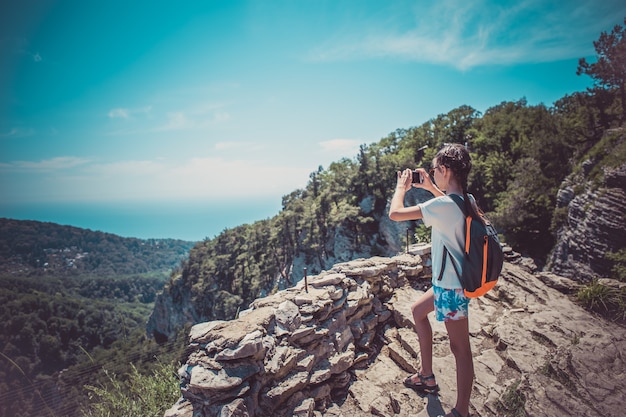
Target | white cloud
(126,168)
(119,113)
(221,116)
(223,146)
(20,47)
(216,177)
(177,121)
(199,178)
(343,146)
(53,164)
(201,116)
(239,146)
(466,34)
(17,132)
(126,113)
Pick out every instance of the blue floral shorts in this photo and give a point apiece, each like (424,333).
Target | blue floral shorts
(450,304)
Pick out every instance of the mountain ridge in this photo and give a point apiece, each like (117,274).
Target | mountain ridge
(29,247)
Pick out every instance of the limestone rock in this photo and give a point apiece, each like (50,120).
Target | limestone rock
(594,225)
(529,340)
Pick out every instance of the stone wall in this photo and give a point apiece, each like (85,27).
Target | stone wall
(296,348)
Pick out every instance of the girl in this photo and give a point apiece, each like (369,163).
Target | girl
(450,169)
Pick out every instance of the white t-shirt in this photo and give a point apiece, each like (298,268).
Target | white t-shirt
(448,228)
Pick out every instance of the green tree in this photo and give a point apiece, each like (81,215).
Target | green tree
(619,263)
(609,70)
(524,213)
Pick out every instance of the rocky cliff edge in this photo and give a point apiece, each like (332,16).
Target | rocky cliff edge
(343,347)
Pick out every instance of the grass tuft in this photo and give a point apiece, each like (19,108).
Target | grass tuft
(608,302)
(512,402)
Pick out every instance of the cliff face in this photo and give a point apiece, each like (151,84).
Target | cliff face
(595,224)
(593,214)
(189,300)
(341,346)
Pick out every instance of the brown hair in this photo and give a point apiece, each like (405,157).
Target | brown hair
(456,157)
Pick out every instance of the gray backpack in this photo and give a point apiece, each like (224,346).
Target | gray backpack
(483,260)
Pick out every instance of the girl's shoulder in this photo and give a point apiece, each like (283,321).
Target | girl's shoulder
(439,201)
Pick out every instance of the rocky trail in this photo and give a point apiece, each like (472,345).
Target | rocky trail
(533,348)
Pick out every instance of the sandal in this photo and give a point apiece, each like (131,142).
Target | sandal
(456,413)
(421,386)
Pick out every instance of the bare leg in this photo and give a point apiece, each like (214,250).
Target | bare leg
(420,310)
(458,332)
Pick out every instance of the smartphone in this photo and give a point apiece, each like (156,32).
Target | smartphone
(417,178)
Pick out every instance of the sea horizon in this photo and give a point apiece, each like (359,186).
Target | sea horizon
(189,221)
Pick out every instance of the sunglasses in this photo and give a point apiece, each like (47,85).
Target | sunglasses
(432,170)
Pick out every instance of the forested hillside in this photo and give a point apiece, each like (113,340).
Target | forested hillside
(521,154)
(31,247)
(73,300)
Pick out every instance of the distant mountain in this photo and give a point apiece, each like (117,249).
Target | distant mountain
(35,248)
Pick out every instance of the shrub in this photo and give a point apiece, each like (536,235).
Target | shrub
(137,396)
(619,266)
(607,301)
(422,233)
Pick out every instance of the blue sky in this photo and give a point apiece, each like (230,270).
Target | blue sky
(125,101)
